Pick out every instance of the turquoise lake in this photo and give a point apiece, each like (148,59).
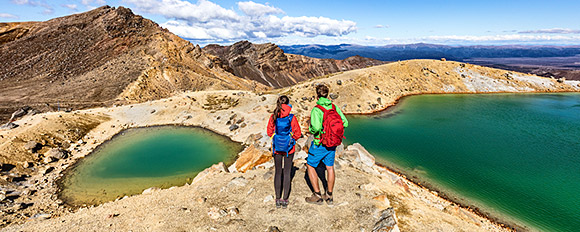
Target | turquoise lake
(514,156)
(140,158)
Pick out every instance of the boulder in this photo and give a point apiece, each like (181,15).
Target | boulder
(234,127)
(302,142)
(339,82)
(333,96)
(48,170)
(32,146)
(253,138)
(364,156)
(49,159)
(300,155)
(19,113)
(56,153)
(349,155)
(251,157)
(339,150)
(387,221)
(9,126)
(216,168)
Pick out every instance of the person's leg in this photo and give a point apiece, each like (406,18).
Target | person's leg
(316,197)
(278,178)
(316,153)
(313,176)
(329,162)
(287,172)
(330,170)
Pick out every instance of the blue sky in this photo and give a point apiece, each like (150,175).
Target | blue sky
(490,22)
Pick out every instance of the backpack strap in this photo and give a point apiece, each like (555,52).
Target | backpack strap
(291,118)
(322,108)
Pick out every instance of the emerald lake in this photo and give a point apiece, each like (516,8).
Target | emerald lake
(514,156)
(140,158)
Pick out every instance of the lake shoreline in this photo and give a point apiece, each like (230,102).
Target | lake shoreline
(71,168)
(500,220)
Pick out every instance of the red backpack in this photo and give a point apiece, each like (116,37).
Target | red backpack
(332,127)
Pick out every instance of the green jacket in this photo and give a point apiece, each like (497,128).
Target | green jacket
(316,116)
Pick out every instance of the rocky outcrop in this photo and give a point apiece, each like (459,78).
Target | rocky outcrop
(101,57)
(269,65)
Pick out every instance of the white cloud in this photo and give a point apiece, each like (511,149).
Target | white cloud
(208,21)
(92,4)
(89,2)
(47,8)
(203,11)
(255,9)
(70,6)
(8,16)
(551,31)
(381,26)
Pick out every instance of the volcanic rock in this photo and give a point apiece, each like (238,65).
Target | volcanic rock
(32,146)
(269,65)
(56,153)
(101,57)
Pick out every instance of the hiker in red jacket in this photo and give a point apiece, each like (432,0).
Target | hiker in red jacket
(284,129)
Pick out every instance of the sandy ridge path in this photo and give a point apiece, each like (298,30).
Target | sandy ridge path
(358,91)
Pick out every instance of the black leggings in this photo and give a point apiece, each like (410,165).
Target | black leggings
(278,176)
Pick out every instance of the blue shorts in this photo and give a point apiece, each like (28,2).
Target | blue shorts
(318,153)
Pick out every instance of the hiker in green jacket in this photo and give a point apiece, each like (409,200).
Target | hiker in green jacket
(323,147)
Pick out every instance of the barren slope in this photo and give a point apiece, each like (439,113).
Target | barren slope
(269,65)
(100,57)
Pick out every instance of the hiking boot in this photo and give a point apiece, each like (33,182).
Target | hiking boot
(278,203)
(315,199)
(329,200)
(284,204)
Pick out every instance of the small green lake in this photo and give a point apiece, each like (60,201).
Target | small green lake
(140,158)
(514,156)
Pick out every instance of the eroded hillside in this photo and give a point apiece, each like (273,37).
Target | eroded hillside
(101,57)
(269,65)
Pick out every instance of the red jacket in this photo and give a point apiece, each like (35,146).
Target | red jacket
(296,133)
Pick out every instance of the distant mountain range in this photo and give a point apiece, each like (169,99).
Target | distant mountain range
(557,61)
(429,51)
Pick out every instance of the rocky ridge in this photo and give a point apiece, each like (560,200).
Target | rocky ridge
(29,178)
(269,65)
(101,57)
